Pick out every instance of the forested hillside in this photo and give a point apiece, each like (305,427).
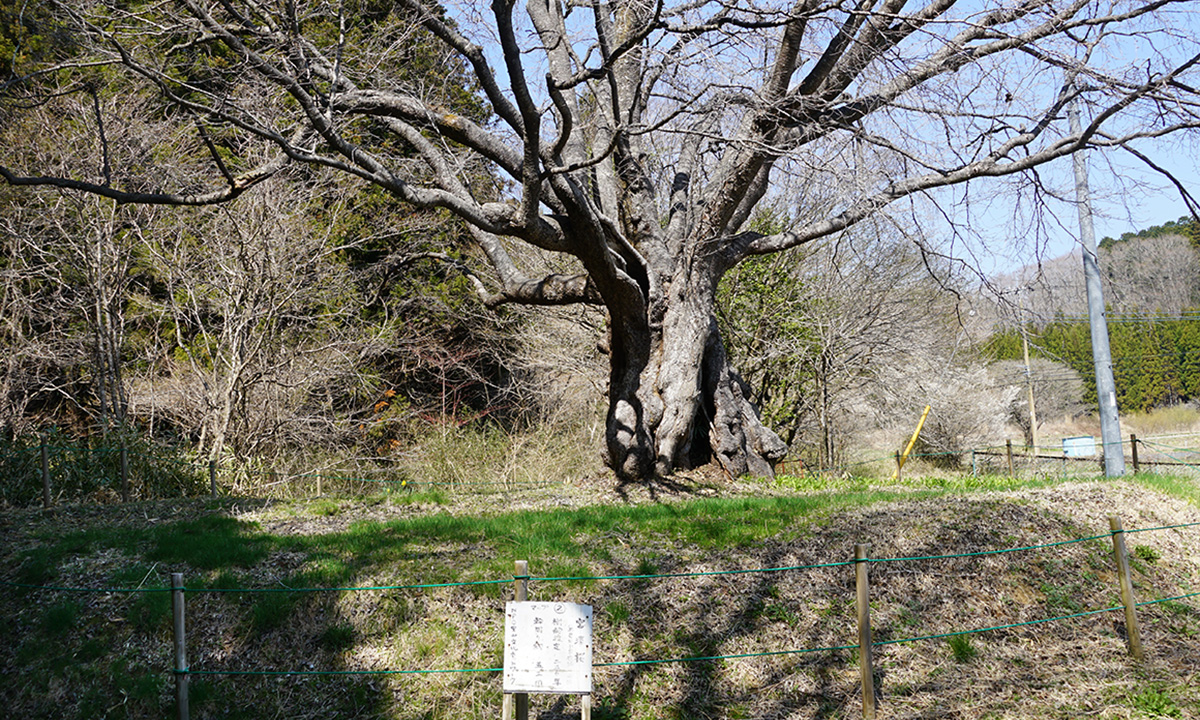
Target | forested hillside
(1156,359)
(312,318)
(1152,293)
(315,318)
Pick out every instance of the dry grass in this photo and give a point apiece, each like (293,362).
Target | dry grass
(1071,668)
(1173,419)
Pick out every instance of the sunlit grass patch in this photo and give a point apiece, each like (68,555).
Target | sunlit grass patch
(1168,419)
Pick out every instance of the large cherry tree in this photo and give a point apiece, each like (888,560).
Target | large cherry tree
(633,137)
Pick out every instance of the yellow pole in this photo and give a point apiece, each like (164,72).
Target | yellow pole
(911,442)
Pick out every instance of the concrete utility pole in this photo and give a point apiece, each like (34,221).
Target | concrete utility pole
(1033,438)
(1106,388)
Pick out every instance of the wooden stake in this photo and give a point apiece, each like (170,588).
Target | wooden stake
(899,467)
(46,501)
(181,666)
(865,662)
(901,458)
(1133,444)
(1132,634)
(212,477)
(518,703)
(521,575)
(1008,446)
(124,474)
(586,710)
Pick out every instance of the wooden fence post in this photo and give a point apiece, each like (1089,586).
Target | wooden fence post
(124,473)
(1132,634)
(45,454)
(518,703)
(866,669)
(521,575)
(1133,444)
(1008,449)
(899,467)
(212,477)
(181,666)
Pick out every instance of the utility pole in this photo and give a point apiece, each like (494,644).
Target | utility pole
(1106,388)
(1028,376)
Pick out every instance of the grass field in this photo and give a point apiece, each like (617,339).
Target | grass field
(658,567)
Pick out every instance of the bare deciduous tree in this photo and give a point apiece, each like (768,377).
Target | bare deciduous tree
(637,137)
(822,331)
(1153,275)
(262,312)
(68,275)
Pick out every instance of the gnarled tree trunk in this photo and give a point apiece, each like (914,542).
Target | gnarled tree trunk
(675,401)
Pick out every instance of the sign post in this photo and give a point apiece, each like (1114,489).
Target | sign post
(548,649)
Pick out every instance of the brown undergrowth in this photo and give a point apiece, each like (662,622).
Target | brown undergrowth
(778,637)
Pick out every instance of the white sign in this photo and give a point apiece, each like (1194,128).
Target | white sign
(547,648)
(1084,446)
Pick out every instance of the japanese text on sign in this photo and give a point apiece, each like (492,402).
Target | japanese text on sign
(547,648)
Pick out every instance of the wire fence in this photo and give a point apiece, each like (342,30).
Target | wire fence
(55,472)
(183,670)
(1142,454)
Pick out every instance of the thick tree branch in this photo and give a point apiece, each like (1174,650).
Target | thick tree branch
(236,187)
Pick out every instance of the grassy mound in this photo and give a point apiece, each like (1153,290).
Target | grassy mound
(324,588)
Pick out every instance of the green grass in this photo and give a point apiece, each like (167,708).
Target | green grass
(222,580)
(1177,486)
(221,545)
(217,552)
(326,507)
(38,567)
(962,648)
(1155,702)
(208,543)
(60,618)
(149,612)
(338,637)
(617,612)
(272,610)
(1146,553)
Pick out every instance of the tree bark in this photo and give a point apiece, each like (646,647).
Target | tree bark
(676,402)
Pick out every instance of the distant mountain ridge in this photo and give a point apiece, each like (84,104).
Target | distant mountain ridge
(1186,226)
(1151,271)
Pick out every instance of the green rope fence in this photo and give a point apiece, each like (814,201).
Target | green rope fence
(280,673)
(1009,626)
(1170,599)
(364,588)
(707,573)
(706,658)
(110,591)
(1178,461)
(603,578)
(183,672)
(982,553)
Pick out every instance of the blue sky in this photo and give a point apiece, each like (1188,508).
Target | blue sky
(1001,230)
